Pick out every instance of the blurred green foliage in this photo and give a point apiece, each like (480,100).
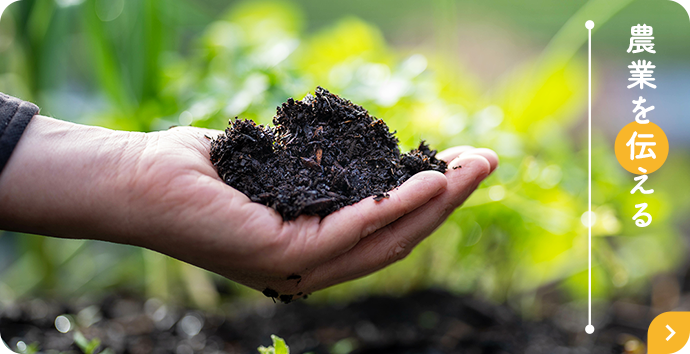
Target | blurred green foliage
(521,231)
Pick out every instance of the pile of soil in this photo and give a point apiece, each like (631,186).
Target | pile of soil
(324,153)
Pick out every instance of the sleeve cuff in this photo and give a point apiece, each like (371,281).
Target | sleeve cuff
(15,115)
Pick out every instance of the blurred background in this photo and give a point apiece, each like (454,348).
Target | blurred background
(508,75)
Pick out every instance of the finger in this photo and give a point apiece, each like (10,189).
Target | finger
(449,154)
(453,152)
(342,230)
(488,154)
(396,240)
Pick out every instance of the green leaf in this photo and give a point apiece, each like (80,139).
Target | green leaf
(344,346)
(86,346)
(264,350)
(280,345)
(30,349)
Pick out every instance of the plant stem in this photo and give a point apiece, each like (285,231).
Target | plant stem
(5,346)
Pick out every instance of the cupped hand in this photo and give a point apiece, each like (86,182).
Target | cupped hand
(179,206)
(160,191)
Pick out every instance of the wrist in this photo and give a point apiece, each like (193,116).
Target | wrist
(66,180)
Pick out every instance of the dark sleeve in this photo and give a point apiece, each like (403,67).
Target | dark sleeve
(15,115)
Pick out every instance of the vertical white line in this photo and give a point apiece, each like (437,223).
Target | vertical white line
(589,25)
(589,59)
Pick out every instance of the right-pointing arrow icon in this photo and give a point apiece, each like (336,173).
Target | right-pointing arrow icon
(678,342)
(672,332)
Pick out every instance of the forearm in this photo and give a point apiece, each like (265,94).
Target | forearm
(66,180)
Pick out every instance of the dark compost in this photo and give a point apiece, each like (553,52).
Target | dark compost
(324,153)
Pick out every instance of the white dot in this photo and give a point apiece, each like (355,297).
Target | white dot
(108,10)
(589,329)
(191,325)
(589,24)
(63,324)
(620,279)
(21,346)
(585,218)
(497,193)
(186,118)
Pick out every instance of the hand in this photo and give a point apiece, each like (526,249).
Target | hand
(160,191)
(189,213)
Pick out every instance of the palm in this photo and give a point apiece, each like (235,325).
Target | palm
(192,215)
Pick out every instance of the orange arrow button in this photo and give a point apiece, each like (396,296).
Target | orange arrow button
(669,333)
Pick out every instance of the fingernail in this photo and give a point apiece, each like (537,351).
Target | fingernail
(465,161)
(455,163)
(461,160)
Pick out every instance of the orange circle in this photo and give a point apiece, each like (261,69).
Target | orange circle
(644,136)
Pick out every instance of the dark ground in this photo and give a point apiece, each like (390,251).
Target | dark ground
(426,322)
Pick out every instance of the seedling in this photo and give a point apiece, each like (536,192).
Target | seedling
(279,347)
